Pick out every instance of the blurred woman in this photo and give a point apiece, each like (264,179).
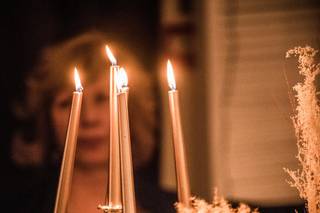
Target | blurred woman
(48,103)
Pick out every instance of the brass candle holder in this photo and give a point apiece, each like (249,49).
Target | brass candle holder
(110,209)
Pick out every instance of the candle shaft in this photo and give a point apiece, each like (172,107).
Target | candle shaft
(179,152)
(67,166)
(114,157)
(128,193)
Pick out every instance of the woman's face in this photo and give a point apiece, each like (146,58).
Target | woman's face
(93,134)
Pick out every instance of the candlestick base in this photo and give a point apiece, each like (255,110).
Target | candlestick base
(110,209)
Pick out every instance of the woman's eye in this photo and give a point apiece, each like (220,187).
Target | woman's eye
(65,103)
(100,98)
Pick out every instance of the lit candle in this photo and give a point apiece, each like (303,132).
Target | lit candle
(183,187)
(128,194)
(114,157)
(67,166)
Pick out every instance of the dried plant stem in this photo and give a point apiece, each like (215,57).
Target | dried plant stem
(307,128)
(219,205)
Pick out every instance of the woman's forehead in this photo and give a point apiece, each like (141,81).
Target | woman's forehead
(100,85)
(101,82)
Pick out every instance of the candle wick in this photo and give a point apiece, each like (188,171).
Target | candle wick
(172,87)
(79,89)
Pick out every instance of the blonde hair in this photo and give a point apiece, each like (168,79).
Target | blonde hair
(87,52)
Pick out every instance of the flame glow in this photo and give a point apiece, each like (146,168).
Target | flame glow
(112,59)
(77,80)
(121,78)
(170,76)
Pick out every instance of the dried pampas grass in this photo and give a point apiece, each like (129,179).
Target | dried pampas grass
(219,205)
(306,122)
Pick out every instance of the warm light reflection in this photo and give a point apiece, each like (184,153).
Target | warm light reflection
(121,78)
(112,59)
(170,76)
(77,80)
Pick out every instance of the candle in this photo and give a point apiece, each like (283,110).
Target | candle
(128,194)
(114,157)
(183,187)
(67,166)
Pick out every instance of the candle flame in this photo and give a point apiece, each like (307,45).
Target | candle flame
(77,80)
(121,78)
(170,76)
(112,59)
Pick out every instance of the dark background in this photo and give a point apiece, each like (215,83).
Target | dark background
(30,26)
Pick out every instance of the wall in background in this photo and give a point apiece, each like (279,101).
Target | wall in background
(250,132)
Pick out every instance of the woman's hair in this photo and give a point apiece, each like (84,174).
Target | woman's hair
(54,72)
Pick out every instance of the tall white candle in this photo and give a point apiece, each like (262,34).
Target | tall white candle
(183,186)
(128,193)
(114,157)
(67,166)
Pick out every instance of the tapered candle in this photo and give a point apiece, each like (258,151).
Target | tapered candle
(114,157)
(127,179)
(183,186)
(67,166)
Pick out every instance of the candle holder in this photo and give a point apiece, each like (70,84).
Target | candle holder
(110,209)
